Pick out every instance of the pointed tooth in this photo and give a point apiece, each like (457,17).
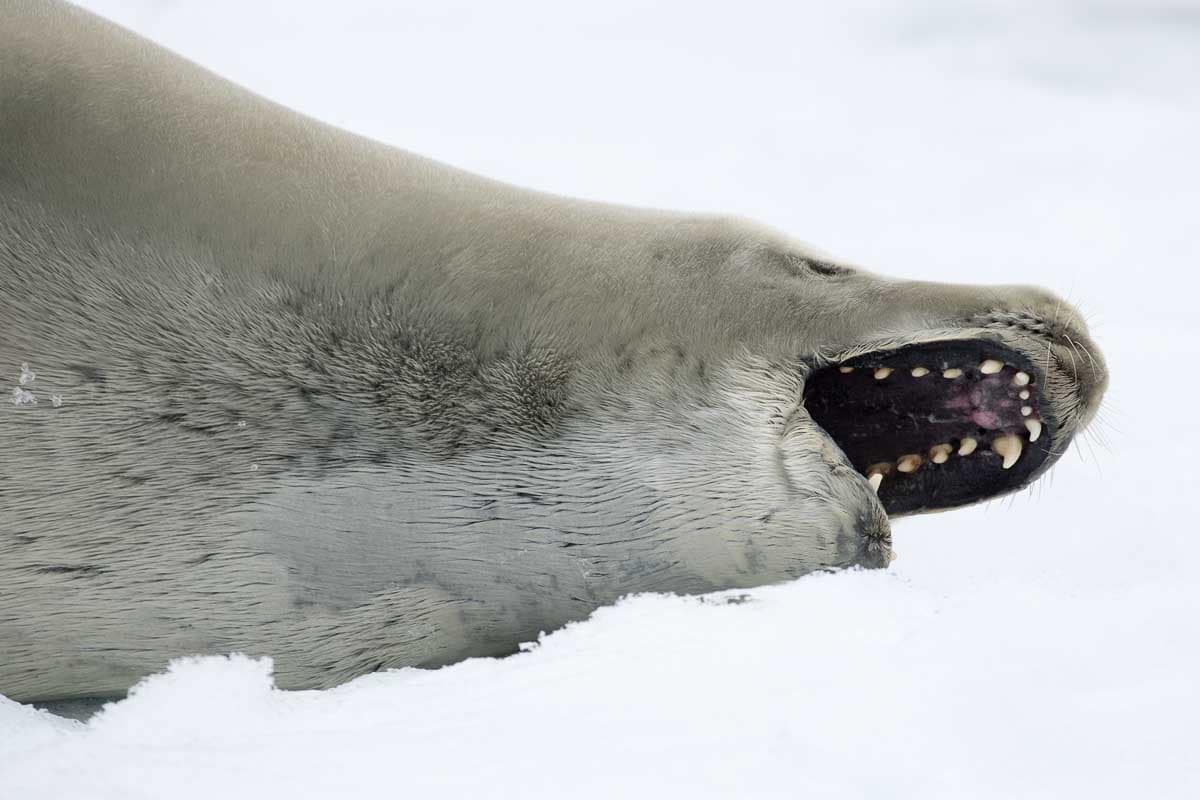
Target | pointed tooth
(1023,394)
(940,453)
(991,366)
(875,473)
(908,463)
(1007,447)
(1035,429)
(1021,379)
(1026,411)
(953,372)
(882,373)
(967,446)
(919,372)
(845,370)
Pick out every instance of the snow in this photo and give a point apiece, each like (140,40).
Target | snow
(1040,646)
(22,396)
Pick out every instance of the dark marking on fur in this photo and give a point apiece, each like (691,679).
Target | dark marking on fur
(88,373)
(65,569)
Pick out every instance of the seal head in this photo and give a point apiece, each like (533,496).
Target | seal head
(966,409)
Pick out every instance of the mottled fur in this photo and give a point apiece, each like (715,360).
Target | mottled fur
(303,395)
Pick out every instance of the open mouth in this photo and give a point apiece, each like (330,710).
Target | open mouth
(937,424)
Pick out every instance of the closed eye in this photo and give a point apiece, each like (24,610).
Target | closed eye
(825,268)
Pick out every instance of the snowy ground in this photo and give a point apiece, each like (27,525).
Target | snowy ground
(1045,646)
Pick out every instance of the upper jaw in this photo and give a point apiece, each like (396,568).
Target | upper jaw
(948,417)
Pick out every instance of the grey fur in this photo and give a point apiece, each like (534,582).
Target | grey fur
(303,395)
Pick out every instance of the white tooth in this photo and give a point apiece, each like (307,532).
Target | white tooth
(882,373)
(845,370)
(875,478)
(967,446)
(1026,411)
(1023,394)
(908,463)
(991,366)
(1008,447)
(1035,429)
(919,372)
(1021,379)
(940,453)
(953,372)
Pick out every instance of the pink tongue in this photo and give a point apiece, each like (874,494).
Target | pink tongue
(986,419)
(989,402)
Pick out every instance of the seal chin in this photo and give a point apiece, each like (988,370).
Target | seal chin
(946,420)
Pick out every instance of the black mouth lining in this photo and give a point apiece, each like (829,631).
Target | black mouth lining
(938,424)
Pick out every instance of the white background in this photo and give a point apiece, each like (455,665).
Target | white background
(1043,646)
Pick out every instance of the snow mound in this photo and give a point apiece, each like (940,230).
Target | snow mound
(851,685)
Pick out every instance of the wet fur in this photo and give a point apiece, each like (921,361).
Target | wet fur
(329,402)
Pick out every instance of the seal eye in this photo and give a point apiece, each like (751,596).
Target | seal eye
(935,425)
(825,268)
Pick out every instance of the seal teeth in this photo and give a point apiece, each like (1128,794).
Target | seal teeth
(1007,447)
(940,453)
(996,430)
(875,474)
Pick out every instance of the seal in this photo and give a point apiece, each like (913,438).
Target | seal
(280,389)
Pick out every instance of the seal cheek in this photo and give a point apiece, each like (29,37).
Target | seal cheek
(873,537)
(837,506)
(864,532)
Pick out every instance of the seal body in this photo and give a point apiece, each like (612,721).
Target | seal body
(278,389)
